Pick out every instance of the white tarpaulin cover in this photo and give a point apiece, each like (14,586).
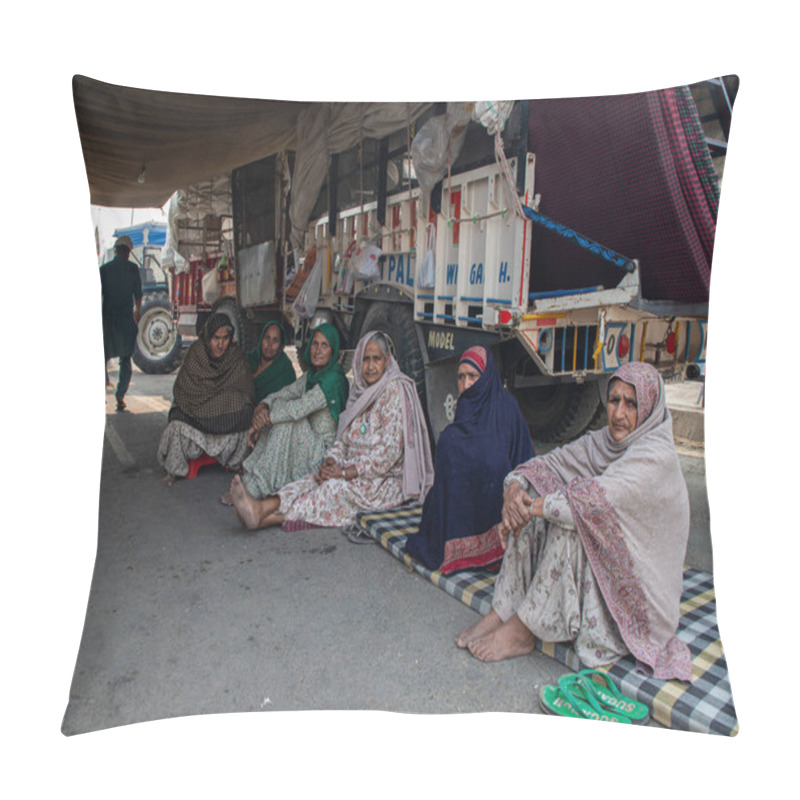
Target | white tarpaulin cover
(327,128)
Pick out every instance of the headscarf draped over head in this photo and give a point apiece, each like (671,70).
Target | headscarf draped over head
(331,377)
(417,460)
(649,387)
(278,374)
(486,440)
(631,509)
(214,395)
(476,357)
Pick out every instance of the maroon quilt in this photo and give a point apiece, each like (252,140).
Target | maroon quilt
(633,173)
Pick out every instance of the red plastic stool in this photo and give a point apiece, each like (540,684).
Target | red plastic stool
(201,461)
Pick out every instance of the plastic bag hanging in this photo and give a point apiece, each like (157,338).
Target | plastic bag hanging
(427,269)
(306,302)
(364,263)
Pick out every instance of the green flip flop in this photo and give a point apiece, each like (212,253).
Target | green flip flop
(608,695)
(583,700)
(553,702)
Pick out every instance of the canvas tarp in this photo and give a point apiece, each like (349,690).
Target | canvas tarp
(183,140)
(180,139)
(328,128)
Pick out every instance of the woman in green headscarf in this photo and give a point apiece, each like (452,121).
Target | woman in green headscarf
(294,427)
(271,367)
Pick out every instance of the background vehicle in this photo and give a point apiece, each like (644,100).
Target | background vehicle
(567,235)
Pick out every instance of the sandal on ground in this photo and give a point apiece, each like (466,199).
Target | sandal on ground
(121,405)
(609,696)
(582,699)
(358,536)
(552,701)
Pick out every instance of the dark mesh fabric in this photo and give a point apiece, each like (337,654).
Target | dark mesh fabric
(633,173)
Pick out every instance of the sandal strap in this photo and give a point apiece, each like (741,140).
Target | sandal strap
(609,695)
(572,686)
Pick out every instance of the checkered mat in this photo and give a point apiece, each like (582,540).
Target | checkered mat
(704,706)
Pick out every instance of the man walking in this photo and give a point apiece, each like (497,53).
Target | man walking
(122,289)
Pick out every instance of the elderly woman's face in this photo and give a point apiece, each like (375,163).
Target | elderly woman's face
(321,351)
(220,340)
(622,410)
(374,363)
(271,343)
(467,375)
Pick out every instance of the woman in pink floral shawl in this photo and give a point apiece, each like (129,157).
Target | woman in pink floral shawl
(599,528)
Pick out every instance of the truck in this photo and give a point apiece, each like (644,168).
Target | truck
(567,235)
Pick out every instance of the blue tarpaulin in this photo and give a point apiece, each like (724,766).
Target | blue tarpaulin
(147,233)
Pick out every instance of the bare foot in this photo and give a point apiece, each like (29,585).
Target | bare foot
(482,627)
(226,499)
(168,480)
(245,504)
(510,640)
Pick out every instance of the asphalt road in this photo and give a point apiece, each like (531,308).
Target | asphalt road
(189,614)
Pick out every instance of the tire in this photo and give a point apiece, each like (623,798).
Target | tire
(397,322)
(561,412)
(227,305)
(158,346)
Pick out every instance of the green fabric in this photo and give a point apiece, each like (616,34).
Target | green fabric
(278,374)
(331,377)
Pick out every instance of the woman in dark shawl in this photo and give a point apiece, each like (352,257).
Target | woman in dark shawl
(597,532)
(294,426)
(485,441)
(271,367)
(213,400)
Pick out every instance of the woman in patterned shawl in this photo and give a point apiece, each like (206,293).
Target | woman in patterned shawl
(294,426)
(475,452)
(271,367)
(212,407)
(599,531)
(381,457)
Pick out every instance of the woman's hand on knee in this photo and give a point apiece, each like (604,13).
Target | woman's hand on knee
(252,435)
(516,508)
(328,469)
(260,417)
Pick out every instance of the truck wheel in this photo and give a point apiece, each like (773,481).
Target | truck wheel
(227,305)
(158,344)
(561,412)
(397,322)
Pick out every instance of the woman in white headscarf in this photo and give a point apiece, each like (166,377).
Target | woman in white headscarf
(381,457)
(598,536)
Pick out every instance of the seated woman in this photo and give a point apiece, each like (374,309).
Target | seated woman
(271,367)
(297,424)
(475,452)
(212,407)
(599,528)
(381,457)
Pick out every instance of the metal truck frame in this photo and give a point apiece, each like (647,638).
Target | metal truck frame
(556,349)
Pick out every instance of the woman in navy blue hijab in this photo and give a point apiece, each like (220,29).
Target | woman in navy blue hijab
(487,439)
